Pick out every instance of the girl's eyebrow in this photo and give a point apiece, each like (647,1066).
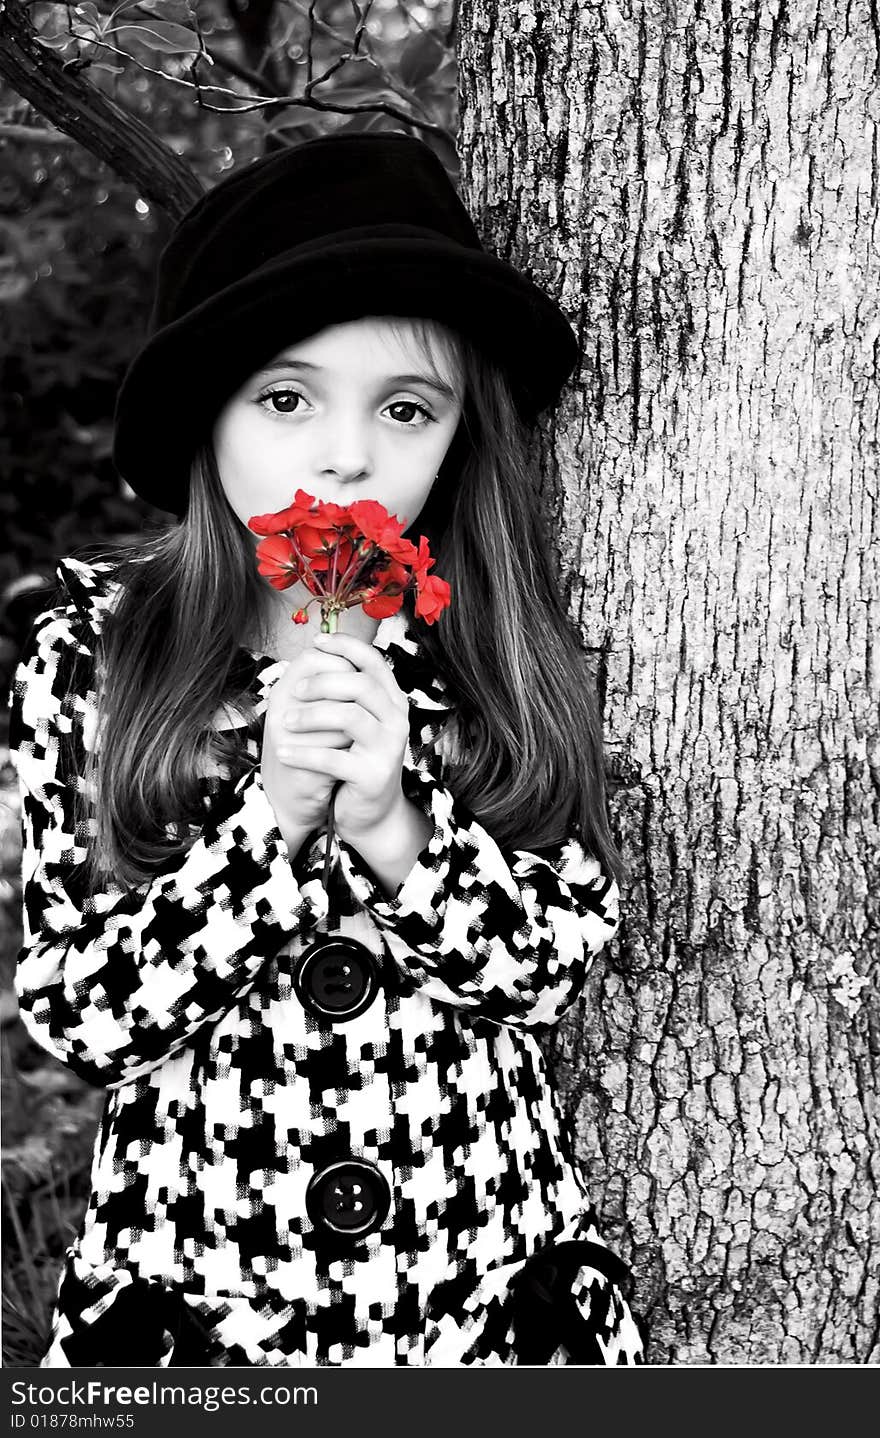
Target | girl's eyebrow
(394,379)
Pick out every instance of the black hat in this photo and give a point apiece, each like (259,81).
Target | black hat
(334,229)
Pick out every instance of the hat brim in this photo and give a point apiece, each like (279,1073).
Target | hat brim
(179,381)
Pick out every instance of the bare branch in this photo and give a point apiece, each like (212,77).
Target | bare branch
(331,70)
(316,23)
(233,66)
(328,107)
(84,113)
(311,36)
(349,55)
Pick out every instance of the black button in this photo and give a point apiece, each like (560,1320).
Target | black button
(350,1198)
(336,979)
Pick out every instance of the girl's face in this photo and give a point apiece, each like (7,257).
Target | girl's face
(357,411)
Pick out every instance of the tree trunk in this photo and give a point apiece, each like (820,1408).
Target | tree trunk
(699,189)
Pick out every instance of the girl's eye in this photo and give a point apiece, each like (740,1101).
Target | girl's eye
(287,401)
(284,395)
(411,408)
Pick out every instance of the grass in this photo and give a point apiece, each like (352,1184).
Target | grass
(49,1121)
(48,1133)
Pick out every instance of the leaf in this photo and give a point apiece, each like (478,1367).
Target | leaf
(163,36)
(55,42)
(448,72)
(292,127)
(169,9)
(90,14)
(346,95)
(360,123)
(420,57)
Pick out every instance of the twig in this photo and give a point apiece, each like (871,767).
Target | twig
(367,57)
(236,68)
(311,35)
(262,102)
(343,59)
(331,70)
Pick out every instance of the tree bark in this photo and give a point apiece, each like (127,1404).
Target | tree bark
(698,187)
(132,150)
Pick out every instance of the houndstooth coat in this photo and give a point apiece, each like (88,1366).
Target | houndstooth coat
(278,1180)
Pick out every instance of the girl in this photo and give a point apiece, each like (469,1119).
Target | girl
(329,1136)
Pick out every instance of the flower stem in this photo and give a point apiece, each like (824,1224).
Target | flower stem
(310,574)
(364,556)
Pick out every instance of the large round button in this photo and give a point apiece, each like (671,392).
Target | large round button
(336,979)
(350,1198)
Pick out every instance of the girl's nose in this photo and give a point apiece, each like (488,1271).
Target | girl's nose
(346,450)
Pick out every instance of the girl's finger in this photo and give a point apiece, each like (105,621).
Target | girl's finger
(318,714)
(315,661)
(367,659)
(309,663)
(339,763)
(325,738)
(356,686)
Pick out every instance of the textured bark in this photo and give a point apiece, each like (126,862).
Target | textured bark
(698,186)
(81,111)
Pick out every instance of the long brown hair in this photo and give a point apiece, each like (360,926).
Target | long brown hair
(530,765)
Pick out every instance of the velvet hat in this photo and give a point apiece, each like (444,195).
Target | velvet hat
(327,231)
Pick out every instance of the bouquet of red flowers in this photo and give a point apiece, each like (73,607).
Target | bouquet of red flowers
(345,555)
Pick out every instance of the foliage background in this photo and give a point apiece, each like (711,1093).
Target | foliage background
(78,251)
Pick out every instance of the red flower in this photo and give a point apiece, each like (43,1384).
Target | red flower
(347,555)
(385,595)
(321,546)
(324,530)
(278,562)
(297,513)
(383,606)
(432,598)
(384,530)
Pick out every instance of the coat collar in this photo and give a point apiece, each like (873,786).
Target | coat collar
(92,590)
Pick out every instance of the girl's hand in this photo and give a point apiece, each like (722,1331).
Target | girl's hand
(299,795)
(364,702)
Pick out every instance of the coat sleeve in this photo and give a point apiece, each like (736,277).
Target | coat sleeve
(114,983)
(507,935)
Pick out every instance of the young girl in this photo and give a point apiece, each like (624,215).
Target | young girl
(329,1135)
